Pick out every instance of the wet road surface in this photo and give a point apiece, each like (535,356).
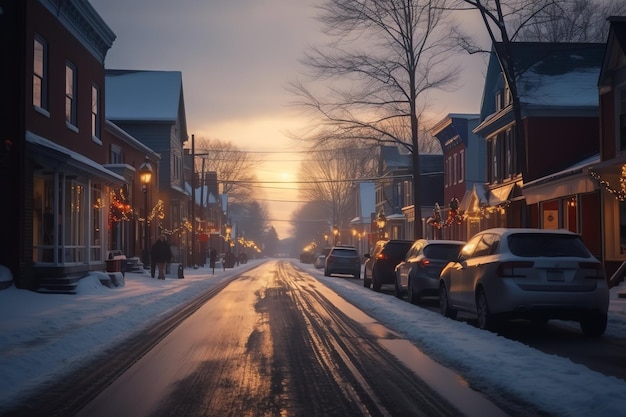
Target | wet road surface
(270,344)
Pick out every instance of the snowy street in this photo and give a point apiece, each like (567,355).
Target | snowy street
(43,336)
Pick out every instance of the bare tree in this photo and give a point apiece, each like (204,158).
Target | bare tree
(571,21)
(330,174)
(539,20)
(382,59)
(235,168)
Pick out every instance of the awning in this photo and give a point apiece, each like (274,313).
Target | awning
(562,188)
(474,199)
(59,158)
(500,195)
(465,202)
(570,181)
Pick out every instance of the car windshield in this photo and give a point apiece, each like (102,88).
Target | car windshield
(446,252)
(344,252)
(549,245)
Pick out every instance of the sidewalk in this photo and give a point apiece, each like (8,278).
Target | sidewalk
(43,336)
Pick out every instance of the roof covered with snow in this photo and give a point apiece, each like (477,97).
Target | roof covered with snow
(143,95)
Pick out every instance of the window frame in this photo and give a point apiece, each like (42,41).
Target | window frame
(96,125)
(71,107)
(40,101)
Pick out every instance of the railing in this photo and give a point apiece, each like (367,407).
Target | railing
(617,277)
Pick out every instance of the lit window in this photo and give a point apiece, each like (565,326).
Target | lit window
(95,111)
(70,94)
(40,73)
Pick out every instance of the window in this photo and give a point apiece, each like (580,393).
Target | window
(97,222)
(508,146)
(495,160)
(462,165)
(95,111)
(408,193)
(40,73)
(455,167)
(116,155)
(70,94)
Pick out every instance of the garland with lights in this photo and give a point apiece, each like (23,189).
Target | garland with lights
(453,215)
(618,194)
(120,208)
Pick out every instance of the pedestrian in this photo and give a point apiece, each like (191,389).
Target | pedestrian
(212,259)
(161,254)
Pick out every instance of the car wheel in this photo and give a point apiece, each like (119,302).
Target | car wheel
(366,281)
(444,303)
(357,275)
(413,298)
(398,292)
(594,324)
(376,285)
(486,320)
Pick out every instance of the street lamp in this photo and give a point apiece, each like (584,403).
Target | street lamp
(380,222)
(145,175)
(336,234)
(229,228)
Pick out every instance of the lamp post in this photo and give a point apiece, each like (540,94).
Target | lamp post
(380,222)
(145,175)
(336,234)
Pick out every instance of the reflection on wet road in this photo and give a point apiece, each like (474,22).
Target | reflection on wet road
(274,342)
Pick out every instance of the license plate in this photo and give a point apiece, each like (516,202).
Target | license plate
(555,275)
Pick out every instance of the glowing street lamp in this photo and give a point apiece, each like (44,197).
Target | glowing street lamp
(380,222)
(335,233)
(145,176)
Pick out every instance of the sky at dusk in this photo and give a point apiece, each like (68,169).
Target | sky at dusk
(236,58)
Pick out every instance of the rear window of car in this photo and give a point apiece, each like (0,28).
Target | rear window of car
(344,252)
(547,245)
(444,251)
(397,248)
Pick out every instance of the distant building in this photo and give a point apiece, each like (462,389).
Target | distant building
(150,106)
(464,169)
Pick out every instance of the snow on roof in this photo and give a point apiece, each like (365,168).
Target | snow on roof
(143,95)
(575,88)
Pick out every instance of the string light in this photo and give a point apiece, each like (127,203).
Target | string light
(618,194)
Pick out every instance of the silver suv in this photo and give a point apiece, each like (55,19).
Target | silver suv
(343,260)
(533,274)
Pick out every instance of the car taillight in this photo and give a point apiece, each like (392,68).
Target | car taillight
(512,268)
(597,270)
(424,263)
(381,256)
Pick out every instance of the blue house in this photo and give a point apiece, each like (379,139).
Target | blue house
(150,106)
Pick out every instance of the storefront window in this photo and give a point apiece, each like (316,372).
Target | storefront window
(550,211)
(97,205)
(43,219)
(622,227)
(570,218)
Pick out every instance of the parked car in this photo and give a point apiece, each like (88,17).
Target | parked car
(533,274)
(380,265)
(319,261)
(343,260)
(417,275)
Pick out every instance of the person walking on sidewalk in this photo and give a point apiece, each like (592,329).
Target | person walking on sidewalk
(161,255)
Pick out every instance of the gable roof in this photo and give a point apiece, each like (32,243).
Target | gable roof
(615,49)
(391,159)
(133,95)
(548,74)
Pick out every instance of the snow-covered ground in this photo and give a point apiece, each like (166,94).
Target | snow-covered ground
(42,336)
